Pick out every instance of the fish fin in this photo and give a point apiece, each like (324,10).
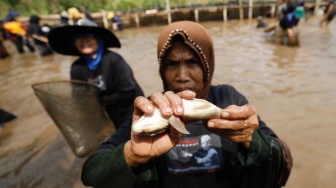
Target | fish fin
(203,105)
(197,104)
(176,123)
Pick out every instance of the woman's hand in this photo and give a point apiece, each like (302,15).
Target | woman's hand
(237,123)
(142,148)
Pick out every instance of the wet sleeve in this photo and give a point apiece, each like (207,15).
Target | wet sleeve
(264,141)
(262,164)
(261,139)
(108,168)
(259,150)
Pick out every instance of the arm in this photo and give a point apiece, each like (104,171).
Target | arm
(330,9)
(108,168)
(142,148)
(327,12)
(264,162)
(120,164)
(40,38)
(259,149)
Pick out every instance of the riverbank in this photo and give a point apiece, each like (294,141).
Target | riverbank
(161,17)
(202,13)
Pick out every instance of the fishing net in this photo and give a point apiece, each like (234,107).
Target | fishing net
(5,116)
(76,111)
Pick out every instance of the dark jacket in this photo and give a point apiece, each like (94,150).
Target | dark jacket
(115,79)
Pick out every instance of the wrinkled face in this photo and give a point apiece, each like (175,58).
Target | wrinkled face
(182,69)
(86,44)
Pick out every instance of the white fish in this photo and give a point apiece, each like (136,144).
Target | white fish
(194,110)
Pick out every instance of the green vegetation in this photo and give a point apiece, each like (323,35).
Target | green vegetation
(45,7)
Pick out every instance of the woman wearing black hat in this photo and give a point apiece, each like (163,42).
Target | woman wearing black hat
(100,66)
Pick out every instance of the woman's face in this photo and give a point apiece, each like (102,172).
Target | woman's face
(182,69)
(86,44)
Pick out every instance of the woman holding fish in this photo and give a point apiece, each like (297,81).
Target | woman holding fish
(242,151)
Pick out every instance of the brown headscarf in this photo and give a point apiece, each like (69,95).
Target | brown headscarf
(198,39)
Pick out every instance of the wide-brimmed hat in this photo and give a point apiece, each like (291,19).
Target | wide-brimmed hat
(61,38)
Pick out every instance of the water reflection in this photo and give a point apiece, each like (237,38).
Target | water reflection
(292,88)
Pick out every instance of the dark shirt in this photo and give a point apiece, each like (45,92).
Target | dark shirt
(64,20)
(35,29)
(231,167)
(290,8)
(115,79)
(118,21)
(289,21)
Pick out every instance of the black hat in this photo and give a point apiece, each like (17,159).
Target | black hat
(60,38)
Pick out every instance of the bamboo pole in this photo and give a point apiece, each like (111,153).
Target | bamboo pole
(317,6)
(137,20)
(273,10)
(225,14)
(250,14)
(168,11)
(241,10)
(104,19)
(196,15)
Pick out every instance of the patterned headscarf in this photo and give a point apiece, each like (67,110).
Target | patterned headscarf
(198,39)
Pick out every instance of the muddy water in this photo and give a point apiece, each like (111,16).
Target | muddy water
(292,88)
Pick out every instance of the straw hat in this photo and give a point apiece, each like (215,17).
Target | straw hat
(74,13)
(110,15)
(61,38)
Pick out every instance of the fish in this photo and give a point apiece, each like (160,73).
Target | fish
(194,110)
